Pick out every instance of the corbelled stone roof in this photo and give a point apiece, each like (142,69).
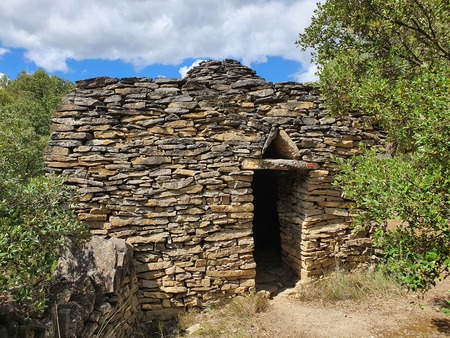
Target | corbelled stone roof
(229,71)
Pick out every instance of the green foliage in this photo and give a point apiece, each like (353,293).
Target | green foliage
(417,250)
(391,59)
(21,148)
(34,226)
(35,97)
(375,44)
(446,310)
(26,106)
(35,223)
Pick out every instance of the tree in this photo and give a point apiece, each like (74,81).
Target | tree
(391,59)
(26,107)
(35,226)
(35,223)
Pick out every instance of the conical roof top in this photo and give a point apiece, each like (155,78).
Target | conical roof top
(227,71)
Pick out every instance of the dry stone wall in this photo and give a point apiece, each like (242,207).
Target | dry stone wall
(168,164)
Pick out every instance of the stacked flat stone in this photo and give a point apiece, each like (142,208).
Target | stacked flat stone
(167,164)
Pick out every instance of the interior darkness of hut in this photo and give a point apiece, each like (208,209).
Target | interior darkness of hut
(266,227)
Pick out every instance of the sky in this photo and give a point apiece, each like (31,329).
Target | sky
(80,39)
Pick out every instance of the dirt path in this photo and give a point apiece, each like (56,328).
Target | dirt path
(400,317)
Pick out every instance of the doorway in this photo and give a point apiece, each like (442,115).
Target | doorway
(266,226)
(271,273)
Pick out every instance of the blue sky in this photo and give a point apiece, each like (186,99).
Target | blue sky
(79,39)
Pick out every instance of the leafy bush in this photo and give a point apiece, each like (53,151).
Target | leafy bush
(402,188)
(26,107)
(34,226)
(392,62)
(35,223)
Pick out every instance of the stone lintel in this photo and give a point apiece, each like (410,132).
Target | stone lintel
(277,164)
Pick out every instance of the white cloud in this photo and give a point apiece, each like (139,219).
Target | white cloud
(308,75)
(3,51)
(144,32)
(183,70)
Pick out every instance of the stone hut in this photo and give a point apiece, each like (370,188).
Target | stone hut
(203,175)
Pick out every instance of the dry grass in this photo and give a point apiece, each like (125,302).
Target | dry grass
(228,318)
(236,318)
(357,285)
(158,329)
(231,319)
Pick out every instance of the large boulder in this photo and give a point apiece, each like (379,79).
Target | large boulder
(84,280)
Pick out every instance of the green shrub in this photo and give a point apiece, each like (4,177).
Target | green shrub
(392,62)
(34,226)
(414,192)
(35,223)
(26,106)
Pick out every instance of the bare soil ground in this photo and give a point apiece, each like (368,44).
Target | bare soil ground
(407,316)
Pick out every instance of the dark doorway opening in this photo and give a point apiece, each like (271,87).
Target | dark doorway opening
(266,226)
(271,274)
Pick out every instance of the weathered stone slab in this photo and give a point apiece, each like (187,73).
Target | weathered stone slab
(259,164)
